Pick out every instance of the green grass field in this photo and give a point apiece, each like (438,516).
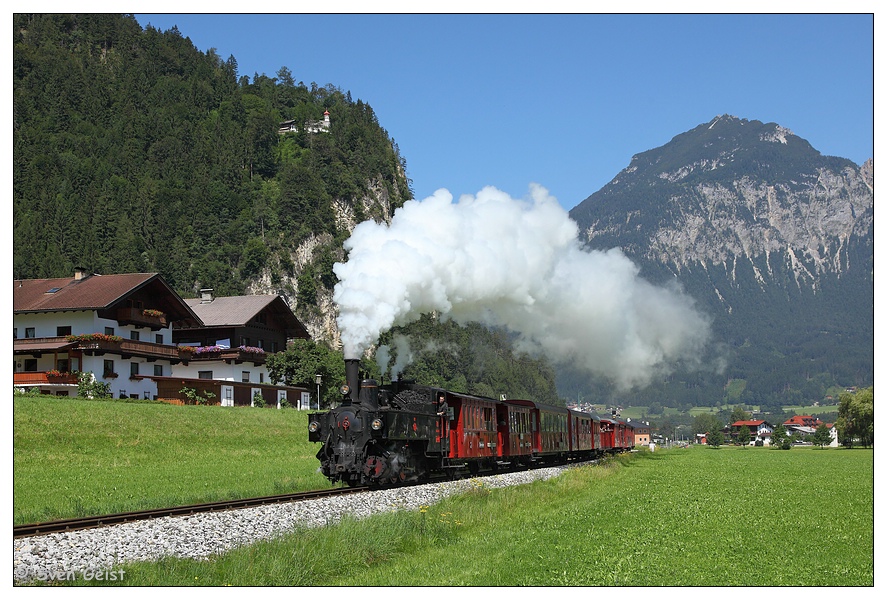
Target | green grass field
(683,517)
(76,457)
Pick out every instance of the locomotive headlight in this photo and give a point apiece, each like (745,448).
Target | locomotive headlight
(376,424)
(345,389)
(313,426)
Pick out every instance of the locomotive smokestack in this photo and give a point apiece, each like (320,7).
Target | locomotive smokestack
(352,377)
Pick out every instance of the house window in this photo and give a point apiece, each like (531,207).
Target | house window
(204,374)
(108,368)
(244,341)
(261,378)
(261,344)
(63,330)
(62,365)
(133,369)
(15,333)
(158,337)
(30,364)
(158,370)
(244,376)
(273,346)
(134,335)
(109,331)
(30,332)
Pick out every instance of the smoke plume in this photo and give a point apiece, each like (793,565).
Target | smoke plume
(402,351)
(516,264)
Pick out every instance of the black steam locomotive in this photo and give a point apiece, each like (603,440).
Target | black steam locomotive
(403,432)
(380,435)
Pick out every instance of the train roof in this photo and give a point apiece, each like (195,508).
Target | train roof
(539,405)
(582,413)
(617,421)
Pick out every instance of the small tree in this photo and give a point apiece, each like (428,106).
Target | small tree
(744,436)
(779,436)
(739,414)
(302,361)
(715,438)
(856,418)
(822,437)
(258,400)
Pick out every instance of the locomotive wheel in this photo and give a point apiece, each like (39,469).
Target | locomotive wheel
(374,467)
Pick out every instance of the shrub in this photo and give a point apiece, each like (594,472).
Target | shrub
(196,397)
(89,387)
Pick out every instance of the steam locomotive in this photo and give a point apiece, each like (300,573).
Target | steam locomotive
(404,432)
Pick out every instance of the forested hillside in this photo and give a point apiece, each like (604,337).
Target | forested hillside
(136,152)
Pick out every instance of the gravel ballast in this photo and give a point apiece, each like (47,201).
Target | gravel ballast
(97,553)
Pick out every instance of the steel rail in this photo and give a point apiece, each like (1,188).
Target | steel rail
(79,523)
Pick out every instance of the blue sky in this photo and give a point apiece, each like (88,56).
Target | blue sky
(561,100)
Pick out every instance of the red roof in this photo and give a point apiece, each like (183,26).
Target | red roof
(95,292)
(748,423)
(70,293)
(804,420)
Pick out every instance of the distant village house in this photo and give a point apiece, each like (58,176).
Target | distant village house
(309,126)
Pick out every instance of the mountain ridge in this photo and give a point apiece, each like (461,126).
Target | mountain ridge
(772,238)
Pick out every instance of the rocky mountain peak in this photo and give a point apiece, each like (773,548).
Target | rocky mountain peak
(733,189)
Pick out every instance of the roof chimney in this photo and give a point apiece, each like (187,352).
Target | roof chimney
(79,273)
(206,295)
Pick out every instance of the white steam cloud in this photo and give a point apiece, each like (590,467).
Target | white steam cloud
(403,352)
(517,264)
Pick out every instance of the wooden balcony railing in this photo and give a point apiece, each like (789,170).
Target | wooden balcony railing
(235,355)
(42,378)
(123,347)
(136,316)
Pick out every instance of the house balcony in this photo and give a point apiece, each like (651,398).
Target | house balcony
(141,318)
(149,350)
(229,355)
(43,378)
(99,344)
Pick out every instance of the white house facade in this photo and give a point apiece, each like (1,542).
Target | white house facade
(116,328)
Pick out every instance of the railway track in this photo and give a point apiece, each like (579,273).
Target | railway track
(79,523)
(75,524)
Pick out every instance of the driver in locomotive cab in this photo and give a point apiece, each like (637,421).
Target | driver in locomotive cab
(442,406)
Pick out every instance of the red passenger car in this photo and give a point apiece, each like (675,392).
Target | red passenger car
(515,431)
(549,428)
(608,434)
(584,433)
(473,432)
(623,438)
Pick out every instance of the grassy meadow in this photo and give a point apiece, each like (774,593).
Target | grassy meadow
(682,517)
(74,457)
